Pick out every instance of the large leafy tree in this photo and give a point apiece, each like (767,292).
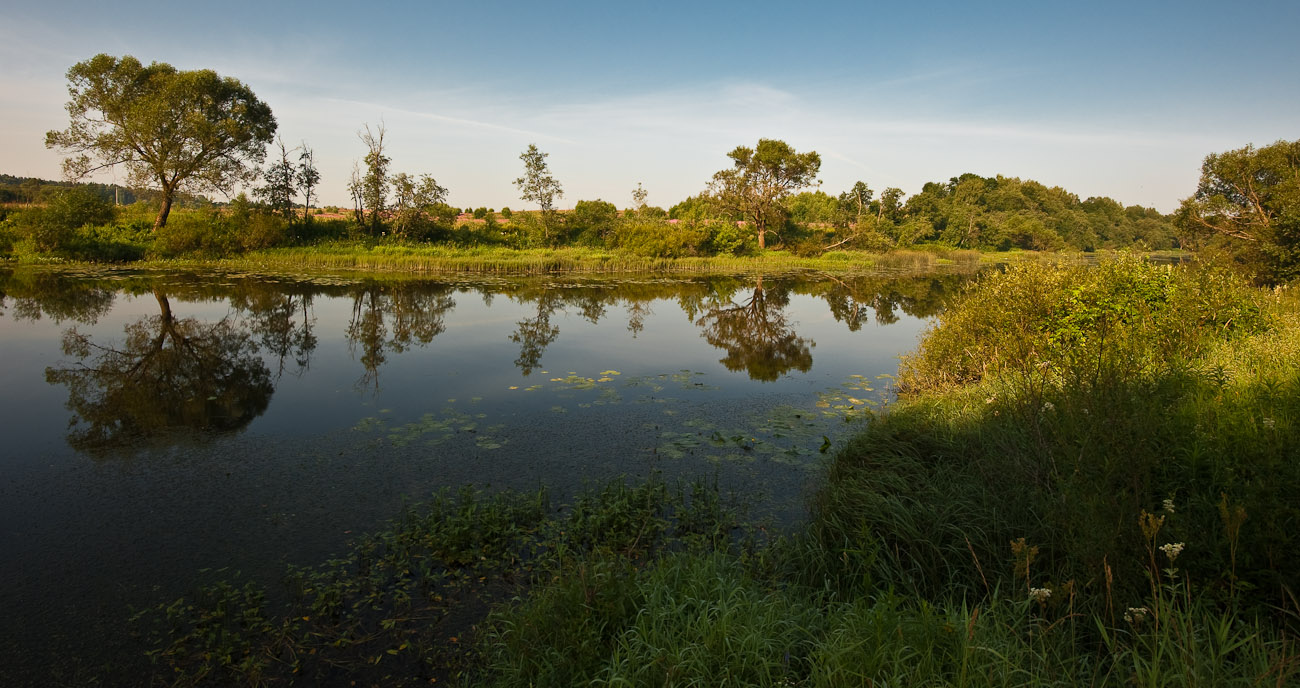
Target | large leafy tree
(174,130)
(1250,197)
(760,179)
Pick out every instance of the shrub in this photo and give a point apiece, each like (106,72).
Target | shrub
(1118,319)
(592,222)
(77,207)
(1058,404)
(262,230)
(202,233)
(660,239)
(53,227)
(116,243)
(727,238)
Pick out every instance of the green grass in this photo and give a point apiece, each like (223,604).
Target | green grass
(440,259)
(1011,521)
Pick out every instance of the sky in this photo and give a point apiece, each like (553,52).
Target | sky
(1103,99)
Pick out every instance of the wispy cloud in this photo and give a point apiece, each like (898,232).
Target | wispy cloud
(457,121)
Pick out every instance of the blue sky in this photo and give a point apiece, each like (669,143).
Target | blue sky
(1113,99)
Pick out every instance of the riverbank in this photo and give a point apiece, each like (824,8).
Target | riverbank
(1087,484)
(441,260)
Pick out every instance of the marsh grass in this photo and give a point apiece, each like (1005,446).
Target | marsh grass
(498,260)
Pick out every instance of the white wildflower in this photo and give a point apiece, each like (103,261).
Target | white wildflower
(1269,423)
(1048,406)
(1039,595)
(1172,550)
(991,398)
(1136,614)
(1169,505)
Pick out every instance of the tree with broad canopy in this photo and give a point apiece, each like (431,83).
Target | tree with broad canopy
(174,130)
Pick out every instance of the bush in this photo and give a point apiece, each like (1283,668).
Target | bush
(1064,405)
(1041,321)
(592,222)
(78,206)
(117,243)
(202,233)
(660,239)
(728,239)
(261,230)
(53,227)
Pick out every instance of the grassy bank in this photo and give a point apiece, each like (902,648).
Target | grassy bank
(441,260)
(1092,479)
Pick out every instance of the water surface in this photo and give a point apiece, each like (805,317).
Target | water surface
(163,430)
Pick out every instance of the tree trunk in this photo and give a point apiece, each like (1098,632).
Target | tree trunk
(164,211)
(164,306)
(762,234)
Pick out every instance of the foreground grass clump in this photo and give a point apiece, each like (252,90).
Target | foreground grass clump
(1060,405)
(714,619)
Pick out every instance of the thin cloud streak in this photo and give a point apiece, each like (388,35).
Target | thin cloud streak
(460,121)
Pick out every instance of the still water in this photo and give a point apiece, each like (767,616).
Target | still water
(163,430)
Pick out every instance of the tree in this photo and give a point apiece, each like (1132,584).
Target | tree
(891,204)
(308,178)
(413,202)
(281,183)
(760,179)
(174,130)
(1251,198)
(355,188)
(858,198)
(537,184)
(639,195)
(372,191)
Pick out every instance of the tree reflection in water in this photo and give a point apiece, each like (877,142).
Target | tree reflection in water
(394,318)
(757,336)
(170,377)
(534,334)
(173,375)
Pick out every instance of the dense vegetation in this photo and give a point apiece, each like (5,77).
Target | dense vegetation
(1101,492)
(81,223)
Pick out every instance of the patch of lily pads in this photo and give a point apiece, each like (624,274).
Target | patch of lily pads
(785,434)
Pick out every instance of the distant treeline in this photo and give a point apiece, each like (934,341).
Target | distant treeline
(35,190)
(997,213)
